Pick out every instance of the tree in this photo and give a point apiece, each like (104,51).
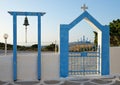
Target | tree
(96,38)
(115,32)
(50,47)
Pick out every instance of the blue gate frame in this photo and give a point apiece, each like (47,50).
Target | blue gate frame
(64,44)
(15,14)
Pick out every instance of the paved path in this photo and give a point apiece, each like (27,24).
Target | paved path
(111,80)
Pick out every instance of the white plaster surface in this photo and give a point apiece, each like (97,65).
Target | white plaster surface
(50,66)
(115,60)
(27,65)
(6,68)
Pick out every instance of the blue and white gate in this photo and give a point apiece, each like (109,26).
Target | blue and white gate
(101,66)
(84,63)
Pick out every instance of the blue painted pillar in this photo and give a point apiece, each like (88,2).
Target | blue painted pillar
(14,47)
(39,47)
(105,69)
(64,36)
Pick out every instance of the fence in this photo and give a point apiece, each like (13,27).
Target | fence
(84,62)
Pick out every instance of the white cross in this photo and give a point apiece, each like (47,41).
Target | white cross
(84,7)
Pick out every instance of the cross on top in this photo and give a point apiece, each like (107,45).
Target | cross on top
(84,7)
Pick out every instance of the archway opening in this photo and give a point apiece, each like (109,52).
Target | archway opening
(27,51)
(81,33)
(84,49)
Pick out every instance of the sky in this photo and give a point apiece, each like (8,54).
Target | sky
(57,12)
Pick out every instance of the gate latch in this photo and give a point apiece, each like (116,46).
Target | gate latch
(84,54)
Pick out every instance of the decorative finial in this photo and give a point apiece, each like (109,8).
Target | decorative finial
(84,7)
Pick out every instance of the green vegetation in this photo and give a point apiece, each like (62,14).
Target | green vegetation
(96,38)
(2,46)
(115,32)
(34,47)
(50,47)
(20,48)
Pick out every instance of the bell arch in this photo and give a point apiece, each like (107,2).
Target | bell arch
(103,41)
(15,14)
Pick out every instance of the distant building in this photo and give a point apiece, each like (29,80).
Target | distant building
(81,45)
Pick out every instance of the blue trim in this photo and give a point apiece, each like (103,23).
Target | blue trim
(63,52)
(64,35)
(14,47)
(39,48)
(105,68)
(83,54)
(15,14)
(26,13)
(99,58)
(81,17)
(84,71)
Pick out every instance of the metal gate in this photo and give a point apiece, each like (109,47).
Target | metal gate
(85,62)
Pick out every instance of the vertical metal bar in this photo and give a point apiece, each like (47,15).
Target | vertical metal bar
(83,61)
(71,64)
(39,47)
(77,64)
(80,63)
(74,65)
(99,59)
(14,47)
(70,60)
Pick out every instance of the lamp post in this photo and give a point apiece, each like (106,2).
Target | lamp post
(5,37)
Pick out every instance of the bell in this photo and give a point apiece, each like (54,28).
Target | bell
(26,23)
